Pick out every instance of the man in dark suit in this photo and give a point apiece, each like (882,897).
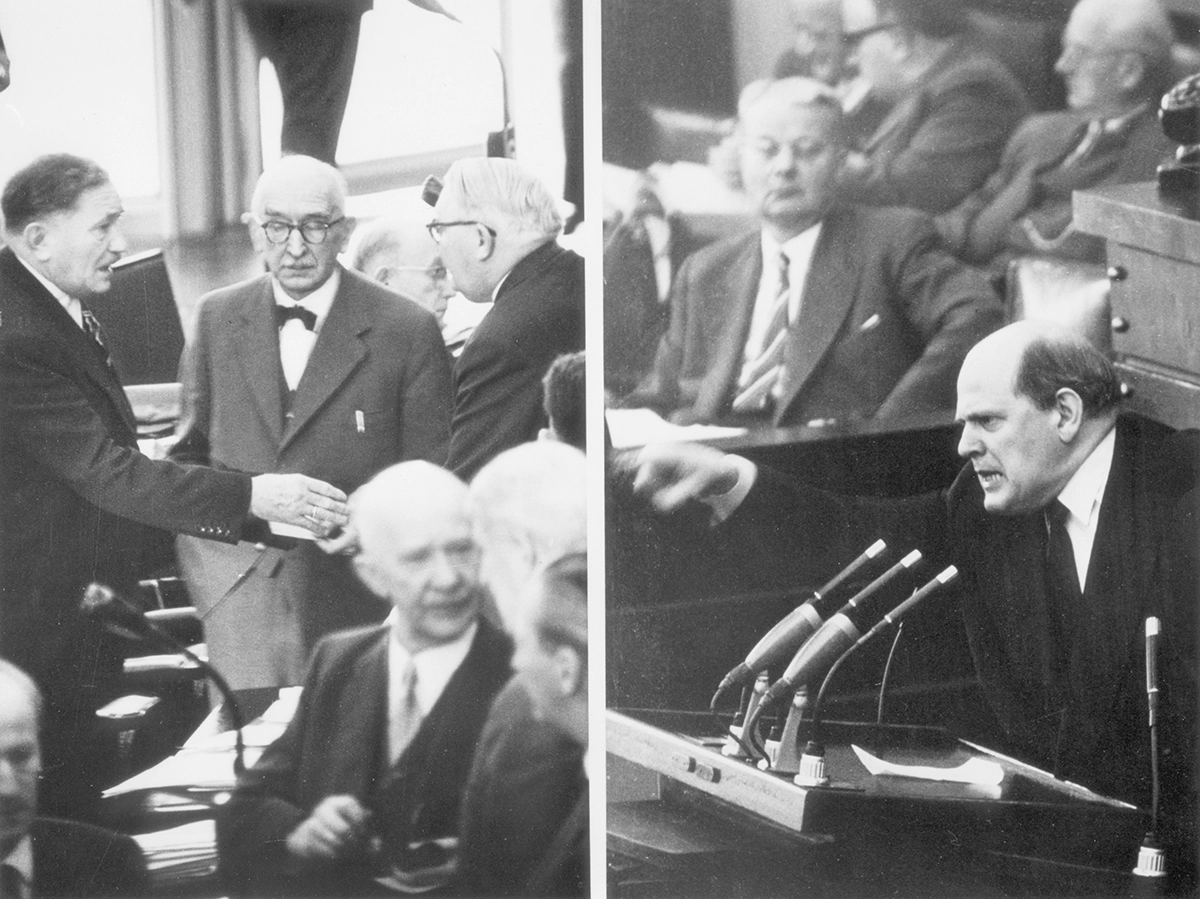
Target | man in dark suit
(1116,63)
(497,227)
(854,313)
(362,383)
(953,106)
(528,508)
(78,501)
(47,856)
(1070,525)
(363,788)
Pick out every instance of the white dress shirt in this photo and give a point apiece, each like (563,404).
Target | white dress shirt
(296,342)
(1082,496)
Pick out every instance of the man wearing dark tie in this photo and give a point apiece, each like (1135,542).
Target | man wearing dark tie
(1071,523)
(78,501)
(309,368)
(49,856)
(1116,61)
(362,791)
(828,310)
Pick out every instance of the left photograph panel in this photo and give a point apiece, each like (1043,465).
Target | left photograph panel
(293,478)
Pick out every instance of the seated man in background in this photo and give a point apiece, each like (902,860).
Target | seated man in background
(497,227)
(830,311)
(308,368)
(397,252)
(564,389)
(1070,523)
(953,107)
(363,788)
(1116,63)
(529,507)
(49,856)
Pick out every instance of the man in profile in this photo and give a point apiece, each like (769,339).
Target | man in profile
(48,856)
(1116,62)
(529,509)
(1070,524)
(362,791)
(827,312)
(308,368)
(497,228)
(78,501)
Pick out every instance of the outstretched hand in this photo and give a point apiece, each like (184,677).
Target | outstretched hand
(671,474)
(298,500)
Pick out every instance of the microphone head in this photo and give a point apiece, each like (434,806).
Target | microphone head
(875,549)
(1153,626)
(97,598)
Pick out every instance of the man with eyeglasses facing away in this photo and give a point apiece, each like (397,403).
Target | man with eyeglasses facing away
(497,226)
(309,368)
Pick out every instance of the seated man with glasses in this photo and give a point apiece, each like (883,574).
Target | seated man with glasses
(497,227)
(313,369)
(396,251)
(361,794)
(1116,62)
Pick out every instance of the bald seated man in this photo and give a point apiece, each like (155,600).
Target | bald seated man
(49,856)
(1054,472)
(497,226)
(366,781)
(308,368)
(528,509)
(1116,62)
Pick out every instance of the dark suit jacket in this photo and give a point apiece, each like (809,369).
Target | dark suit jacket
(886,318)
(537,317)
(1045,140)
(380,357)
(525,780)
(1089,726)
(72,859)
(944,137)
(334,746)
(78,502)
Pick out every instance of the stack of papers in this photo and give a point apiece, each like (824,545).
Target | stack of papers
(180,855)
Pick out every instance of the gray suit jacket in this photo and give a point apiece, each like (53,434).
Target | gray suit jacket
(886,318)
(376,391)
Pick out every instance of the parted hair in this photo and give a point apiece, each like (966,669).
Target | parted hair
(50,184)
(1049,364)
(505,195)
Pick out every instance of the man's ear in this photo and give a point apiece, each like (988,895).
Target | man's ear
(36,235)
(381,274)
(569,672)
(487,243)
(1069,407)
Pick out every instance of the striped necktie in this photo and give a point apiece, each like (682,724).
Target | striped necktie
(760,376)
(92,327)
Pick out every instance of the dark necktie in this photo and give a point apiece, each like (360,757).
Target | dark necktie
(306,316)
(1062,582)
(92,328)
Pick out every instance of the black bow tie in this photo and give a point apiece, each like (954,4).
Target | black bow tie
(283,313)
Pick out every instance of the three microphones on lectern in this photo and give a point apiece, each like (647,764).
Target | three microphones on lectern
(123,617)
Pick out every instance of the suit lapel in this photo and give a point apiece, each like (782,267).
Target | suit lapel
(360,732)
(738,289)
(339,350)
(256,346)
(829,292)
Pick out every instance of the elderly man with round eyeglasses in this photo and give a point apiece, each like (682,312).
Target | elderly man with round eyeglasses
(308,368)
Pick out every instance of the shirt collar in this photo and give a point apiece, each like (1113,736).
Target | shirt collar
(1118,122)
(21,858)
(1085,491)
(799,247)
(435,666)
(68,302)
(317,302)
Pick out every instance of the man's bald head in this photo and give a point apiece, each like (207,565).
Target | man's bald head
(398,252)
(529,507)
(417,552)
(1115,53)
(298,175)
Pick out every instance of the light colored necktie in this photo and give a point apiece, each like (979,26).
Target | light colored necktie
(760,377)
(404,714)
(91,327)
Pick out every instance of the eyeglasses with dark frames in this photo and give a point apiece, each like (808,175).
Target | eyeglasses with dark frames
(436,228)
(313,232)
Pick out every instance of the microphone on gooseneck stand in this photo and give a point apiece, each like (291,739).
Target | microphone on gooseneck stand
(812,763)
(794,628)
(830,640)
(120,615)
(1151,860)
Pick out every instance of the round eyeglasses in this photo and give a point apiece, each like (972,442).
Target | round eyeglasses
(313,232)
